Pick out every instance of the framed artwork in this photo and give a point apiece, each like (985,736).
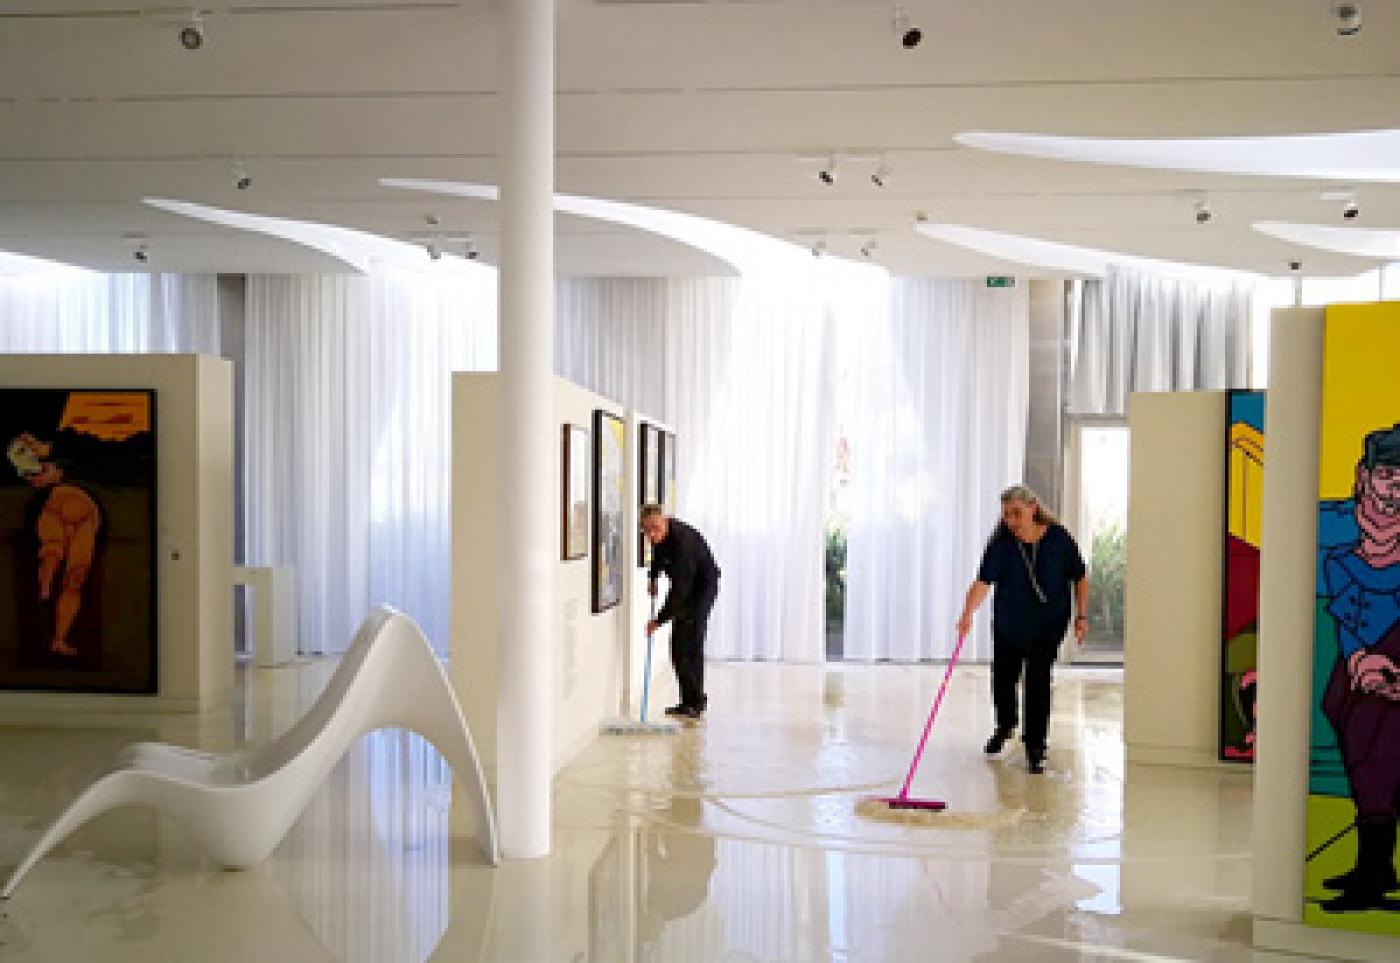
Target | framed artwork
(668,473)
(574,531)
(1244,500)
(77,540)
(1354,752)
(648,480)
(609,500)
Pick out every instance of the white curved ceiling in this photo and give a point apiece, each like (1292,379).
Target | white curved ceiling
(697,108)
(358,250)
(1056,257)
(1367,155)
(1380,243)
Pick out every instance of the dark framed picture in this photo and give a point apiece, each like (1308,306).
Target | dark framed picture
(648,480)
(667,480)
(78,540)
(574,532)
(609,500)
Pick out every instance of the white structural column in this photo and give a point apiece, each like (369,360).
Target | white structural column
(524,735)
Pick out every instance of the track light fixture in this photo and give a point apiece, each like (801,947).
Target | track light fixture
(1348,18)
(909,35)
(827,174)
(882,174)
(868,247)
(192,33)
(141,253)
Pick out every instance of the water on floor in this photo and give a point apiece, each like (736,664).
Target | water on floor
(741,839)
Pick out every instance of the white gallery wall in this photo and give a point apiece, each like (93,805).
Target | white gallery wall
(194,527)
(590,650)
(1172,637)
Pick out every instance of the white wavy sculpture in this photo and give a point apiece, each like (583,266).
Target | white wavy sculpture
(238,806)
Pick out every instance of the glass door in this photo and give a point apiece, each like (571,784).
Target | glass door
(1097,514)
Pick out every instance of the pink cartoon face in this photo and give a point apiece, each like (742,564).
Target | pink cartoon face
(1382,483)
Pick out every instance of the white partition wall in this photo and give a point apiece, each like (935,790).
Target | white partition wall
(589,650)
(1287,593)
(1171,651)
(194,528)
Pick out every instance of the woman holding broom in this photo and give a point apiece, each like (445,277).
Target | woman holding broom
(1032,562)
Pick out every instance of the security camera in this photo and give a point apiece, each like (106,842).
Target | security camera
(1348,17)
(910,36)
(1351,210)
(1203,212)
(192,36)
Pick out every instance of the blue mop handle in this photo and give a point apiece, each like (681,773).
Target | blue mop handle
(646,675)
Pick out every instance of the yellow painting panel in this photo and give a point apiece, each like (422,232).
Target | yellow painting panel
(1246,482)
(1361,345)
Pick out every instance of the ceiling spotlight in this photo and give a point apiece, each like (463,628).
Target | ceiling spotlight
(1203,211)
(909,35)
(819,247)
(1351,210)
(242,180)
(434,250)
(469,249)
(827,175)
(869,247)
(921,217)
(141,255)
(882,174)
(1295,266)
(192,33)
(1348,17)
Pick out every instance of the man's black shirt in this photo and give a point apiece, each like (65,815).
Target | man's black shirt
(685,557)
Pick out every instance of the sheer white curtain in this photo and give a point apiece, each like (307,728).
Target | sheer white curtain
(610,337)
(84,311)
(1141,332)
(941,389)
(348,427)
(750,385)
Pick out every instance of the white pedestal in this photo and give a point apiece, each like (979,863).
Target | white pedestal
(274,611)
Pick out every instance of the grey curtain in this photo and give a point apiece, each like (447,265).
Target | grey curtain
(1142,332)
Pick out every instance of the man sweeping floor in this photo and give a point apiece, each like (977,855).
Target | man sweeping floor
(682,553)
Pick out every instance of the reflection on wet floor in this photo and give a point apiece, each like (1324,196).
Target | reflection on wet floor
(740,839)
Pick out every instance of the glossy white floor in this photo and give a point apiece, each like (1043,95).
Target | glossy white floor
(735,841)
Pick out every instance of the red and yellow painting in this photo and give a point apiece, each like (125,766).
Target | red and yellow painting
(77,552)
(1244,497)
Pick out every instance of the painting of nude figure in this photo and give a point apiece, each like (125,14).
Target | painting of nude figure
(77,540)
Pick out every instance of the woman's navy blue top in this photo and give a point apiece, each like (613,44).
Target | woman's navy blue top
(1018,614)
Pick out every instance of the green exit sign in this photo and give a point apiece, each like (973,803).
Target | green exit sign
(1000,281)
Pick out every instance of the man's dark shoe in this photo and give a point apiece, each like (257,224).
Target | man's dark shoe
(676,710)
(997,742)
(692,712)
(1035,761)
